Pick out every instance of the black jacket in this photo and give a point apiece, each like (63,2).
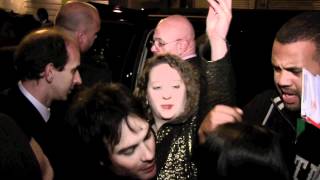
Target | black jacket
(17,106)
(303,156)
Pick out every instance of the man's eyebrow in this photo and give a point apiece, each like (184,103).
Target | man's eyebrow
(295,69)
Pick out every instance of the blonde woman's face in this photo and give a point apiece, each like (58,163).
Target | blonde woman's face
(166,92)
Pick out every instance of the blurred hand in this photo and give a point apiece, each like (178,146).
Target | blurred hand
(220,114)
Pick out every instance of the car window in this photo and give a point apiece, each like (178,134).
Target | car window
(112,46)
(146,53)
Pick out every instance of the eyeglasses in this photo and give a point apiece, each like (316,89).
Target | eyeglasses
(160,43)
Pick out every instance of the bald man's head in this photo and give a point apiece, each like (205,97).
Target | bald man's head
(178,26)
(74,14)
(80,18)
(174,34)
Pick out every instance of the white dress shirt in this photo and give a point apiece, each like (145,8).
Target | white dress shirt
(43,110)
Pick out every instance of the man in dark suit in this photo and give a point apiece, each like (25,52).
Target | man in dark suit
(47,63)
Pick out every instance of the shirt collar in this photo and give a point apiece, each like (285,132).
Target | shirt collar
(42,109)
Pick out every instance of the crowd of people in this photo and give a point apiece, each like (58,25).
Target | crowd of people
(65,119)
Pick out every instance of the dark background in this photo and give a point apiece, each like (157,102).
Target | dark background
(123,43)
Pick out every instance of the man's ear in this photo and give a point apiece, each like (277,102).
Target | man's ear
(81,37)
(49,71)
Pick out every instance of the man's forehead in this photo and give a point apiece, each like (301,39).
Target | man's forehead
(164,33)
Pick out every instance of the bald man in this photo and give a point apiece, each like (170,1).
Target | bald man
(175,34)
(81,21)
(179,32)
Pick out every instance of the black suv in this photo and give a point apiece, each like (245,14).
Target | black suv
(123,42)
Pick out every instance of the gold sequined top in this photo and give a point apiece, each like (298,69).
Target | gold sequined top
(175,142)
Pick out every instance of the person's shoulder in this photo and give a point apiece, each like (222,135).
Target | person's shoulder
(266,96)
(263,99)
(11,100)
(6,122)
(258,107)
(9,127)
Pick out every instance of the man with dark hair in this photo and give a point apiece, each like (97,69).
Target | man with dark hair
(111,121)
(47,64)
(296,46)
(242,151)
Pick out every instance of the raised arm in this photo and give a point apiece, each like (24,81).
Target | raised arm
(218,22)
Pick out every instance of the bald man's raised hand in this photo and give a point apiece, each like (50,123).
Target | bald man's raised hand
(220,114)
